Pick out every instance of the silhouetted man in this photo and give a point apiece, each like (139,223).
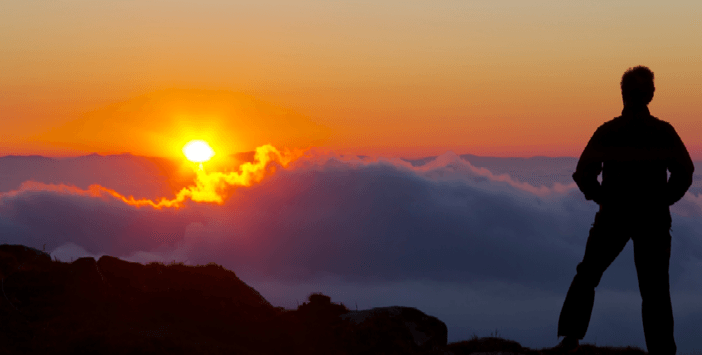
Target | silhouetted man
(633,152)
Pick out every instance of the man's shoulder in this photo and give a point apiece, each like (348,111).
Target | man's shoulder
(610,125)
(625,129)
(623,121)
(660,122)
(663,127)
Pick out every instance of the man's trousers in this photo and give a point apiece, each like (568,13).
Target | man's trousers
(608,236)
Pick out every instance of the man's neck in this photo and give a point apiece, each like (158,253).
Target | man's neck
(632,109)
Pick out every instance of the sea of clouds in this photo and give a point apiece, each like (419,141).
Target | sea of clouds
(485,244)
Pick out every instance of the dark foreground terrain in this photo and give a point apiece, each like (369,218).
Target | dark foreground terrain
(111,306)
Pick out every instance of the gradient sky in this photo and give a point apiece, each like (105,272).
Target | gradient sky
(410,78)
(480,248)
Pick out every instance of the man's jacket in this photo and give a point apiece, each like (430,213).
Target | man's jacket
(634,152)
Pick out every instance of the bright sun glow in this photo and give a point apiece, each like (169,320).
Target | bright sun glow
(198,151)
(210,187)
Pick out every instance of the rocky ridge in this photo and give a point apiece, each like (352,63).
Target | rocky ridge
(112,306)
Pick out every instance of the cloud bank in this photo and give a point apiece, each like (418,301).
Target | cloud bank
(479,249)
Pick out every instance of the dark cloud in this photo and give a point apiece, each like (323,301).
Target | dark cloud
(99,225)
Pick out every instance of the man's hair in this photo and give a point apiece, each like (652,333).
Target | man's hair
(637,85)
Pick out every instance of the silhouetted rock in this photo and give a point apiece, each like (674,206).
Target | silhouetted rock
(15,257)
(112,306)
(396,330)
(317,326)
(323,327)
(86,283)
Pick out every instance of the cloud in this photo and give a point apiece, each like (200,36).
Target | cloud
(55,215)
(384,220)
(479,250)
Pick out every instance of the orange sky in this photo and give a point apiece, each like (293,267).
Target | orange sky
(409,78)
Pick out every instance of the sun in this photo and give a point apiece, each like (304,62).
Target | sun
(198,151)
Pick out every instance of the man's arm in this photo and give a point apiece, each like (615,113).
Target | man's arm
(681,169)
(589,166)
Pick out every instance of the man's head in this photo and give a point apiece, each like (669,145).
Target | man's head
(637,86)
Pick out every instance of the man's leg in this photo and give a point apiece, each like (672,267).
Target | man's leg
(604,244)
(652,257)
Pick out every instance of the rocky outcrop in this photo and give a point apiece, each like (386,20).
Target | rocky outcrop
(324,327)
(404,328)
(15,258)
(112,306)
(85,282)
(210,281)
